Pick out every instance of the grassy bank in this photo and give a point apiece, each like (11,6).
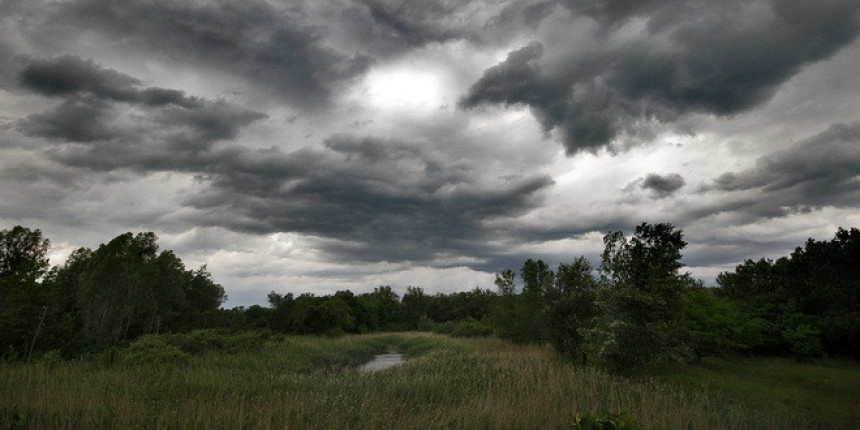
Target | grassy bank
(825,392)
(311,382)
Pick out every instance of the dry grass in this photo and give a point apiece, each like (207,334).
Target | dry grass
(310,382)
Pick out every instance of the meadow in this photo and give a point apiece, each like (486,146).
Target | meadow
(822,391)
(312,382)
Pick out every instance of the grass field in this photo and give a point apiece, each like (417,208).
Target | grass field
(826,391)
(311,382)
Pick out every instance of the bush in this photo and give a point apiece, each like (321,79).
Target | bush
(199,341)
(471,327)
(153,350)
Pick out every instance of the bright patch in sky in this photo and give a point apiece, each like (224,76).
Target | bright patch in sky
(404,88)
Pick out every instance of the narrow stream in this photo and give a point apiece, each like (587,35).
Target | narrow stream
(381,362)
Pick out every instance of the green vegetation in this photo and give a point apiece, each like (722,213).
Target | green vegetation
(311,382)
(825,392)
(126,336)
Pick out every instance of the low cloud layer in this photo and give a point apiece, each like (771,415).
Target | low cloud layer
(819,171)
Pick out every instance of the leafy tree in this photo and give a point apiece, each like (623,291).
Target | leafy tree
(282,311)
(523,317)
(23,301)
(537,278)
(363,312)
(806,303)
(126,288)
(639,304)
(415,305)
(506,282)
(716,325)
(387,305)
(573,310)
(322,315)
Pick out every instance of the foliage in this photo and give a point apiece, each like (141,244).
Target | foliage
(620,420)
(573,311)
(807,303)
(200,341)
(639,306)
(522,318)
(466,328)
(714,324)
(23,302)
(151,350)
(638,313)
(109,296)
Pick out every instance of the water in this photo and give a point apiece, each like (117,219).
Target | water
(382,362)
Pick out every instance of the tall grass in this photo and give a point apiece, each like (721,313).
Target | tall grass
(311,382)
(824,391)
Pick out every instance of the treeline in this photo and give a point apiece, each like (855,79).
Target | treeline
(127,288)
(98,298)
(632,312)
(637,310)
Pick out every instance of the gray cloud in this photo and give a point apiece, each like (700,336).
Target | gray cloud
(661,185)
(716,58)
(75,120)
(381,200)
(369,198)
(276,48)
(402,24)
(69,75)
(120,124)
(816,172)
(137,138)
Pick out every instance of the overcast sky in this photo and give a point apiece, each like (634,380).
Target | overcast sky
(310,145)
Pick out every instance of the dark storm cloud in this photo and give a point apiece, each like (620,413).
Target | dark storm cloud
(614,12)
(75,120)
(274,48)
(820,171)
(381,200)
(718,58)
(403,24)
(120,124)
(72,75)
(368,198)
(661,186)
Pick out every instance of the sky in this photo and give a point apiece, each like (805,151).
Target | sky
(322,145)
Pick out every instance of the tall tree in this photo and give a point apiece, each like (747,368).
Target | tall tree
(23,301)
(126,288)
(573,310)
(640,303)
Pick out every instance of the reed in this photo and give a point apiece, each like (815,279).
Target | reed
(311,382)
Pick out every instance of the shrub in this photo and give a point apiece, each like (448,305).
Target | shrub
(153,350)
(470,328)
(199,341)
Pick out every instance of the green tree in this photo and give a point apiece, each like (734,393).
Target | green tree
(806,303)
(126,288)
(639,304)
(322,315)
(282,312)
(23,301)
(506,282)
(387,305)
(572,312)
(415,305)
(523,317)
